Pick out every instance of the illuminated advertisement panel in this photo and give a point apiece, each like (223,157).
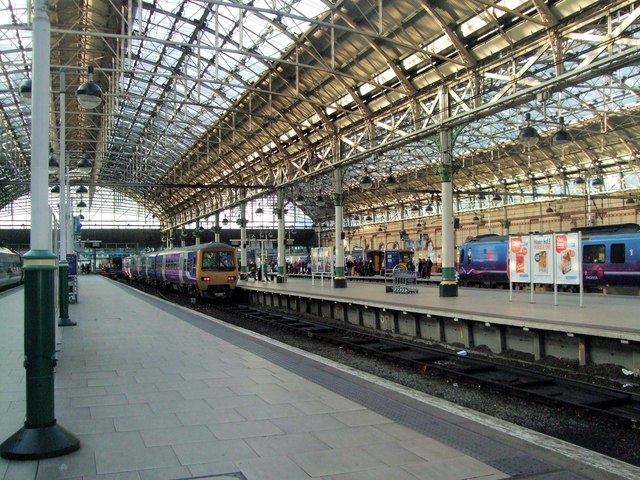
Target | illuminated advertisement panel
(542,265)
(567,263)
(520,259)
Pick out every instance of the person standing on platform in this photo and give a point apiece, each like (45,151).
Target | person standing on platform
(429,266)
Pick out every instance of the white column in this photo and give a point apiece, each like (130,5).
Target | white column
(62,254)
(40,110)
(338,198)
(448,285)
(282,262)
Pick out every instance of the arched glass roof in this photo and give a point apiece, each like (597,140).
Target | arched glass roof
(210,104)
(106,209)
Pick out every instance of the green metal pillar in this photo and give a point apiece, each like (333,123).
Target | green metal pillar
(244,267)
(338,199)
(41,436)
(63,295)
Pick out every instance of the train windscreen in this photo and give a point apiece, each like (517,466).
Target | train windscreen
(218,261)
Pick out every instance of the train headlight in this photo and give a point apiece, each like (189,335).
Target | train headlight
(231,278)
(205,279)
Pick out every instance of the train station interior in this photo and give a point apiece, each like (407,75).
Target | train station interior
(513,117)
(295,130)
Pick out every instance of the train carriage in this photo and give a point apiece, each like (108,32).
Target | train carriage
(609,258)
(209,269)
(10,268)
(483,261)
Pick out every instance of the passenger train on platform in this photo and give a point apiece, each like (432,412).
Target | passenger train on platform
(208,270)
(610,258)
(10,268)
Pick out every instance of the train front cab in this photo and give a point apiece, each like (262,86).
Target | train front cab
(402,257)
(483,262)
(217,272)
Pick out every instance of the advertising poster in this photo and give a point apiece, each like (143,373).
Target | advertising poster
(321,260)
(314,260)
(542,266)
(520,259)
(567,264)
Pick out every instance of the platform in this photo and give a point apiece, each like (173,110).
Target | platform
(605,329)
(159,392)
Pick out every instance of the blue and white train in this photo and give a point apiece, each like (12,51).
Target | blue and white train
(610,257)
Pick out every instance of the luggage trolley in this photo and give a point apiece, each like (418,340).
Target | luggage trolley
(403,281)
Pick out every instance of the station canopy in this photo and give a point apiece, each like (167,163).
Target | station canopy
(208,104)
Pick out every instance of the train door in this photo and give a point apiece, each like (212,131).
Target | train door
(593,260)
(163,268)
(374,261)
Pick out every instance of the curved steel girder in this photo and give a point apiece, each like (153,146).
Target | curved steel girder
(526,94)
(464,53)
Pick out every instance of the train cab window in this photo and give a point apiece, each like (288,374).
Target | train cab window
(617,253)
(461,256)
(593,253)
(222,261)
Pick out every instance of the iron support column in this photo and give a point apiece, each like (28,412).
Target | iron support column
(244,269)
(41,436)
(338,198)
(63,265)
(216,229)
(282,262)
(448,285)
(196,233)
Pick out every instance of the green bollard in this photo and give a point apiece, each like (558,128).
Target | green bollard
(63,295)
(41,436)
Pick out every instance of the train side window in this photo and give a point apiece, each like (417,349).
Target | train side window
(469,257)
(593,253)
(617,252)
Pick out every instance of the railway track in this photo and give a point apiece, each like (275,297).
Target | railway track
(542,387)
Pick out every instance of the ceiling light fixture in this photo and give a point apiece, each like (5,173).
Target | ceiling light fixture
(528,136)
(84,165)
(89,94)
(54,166)
(562,137)
(366,182)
